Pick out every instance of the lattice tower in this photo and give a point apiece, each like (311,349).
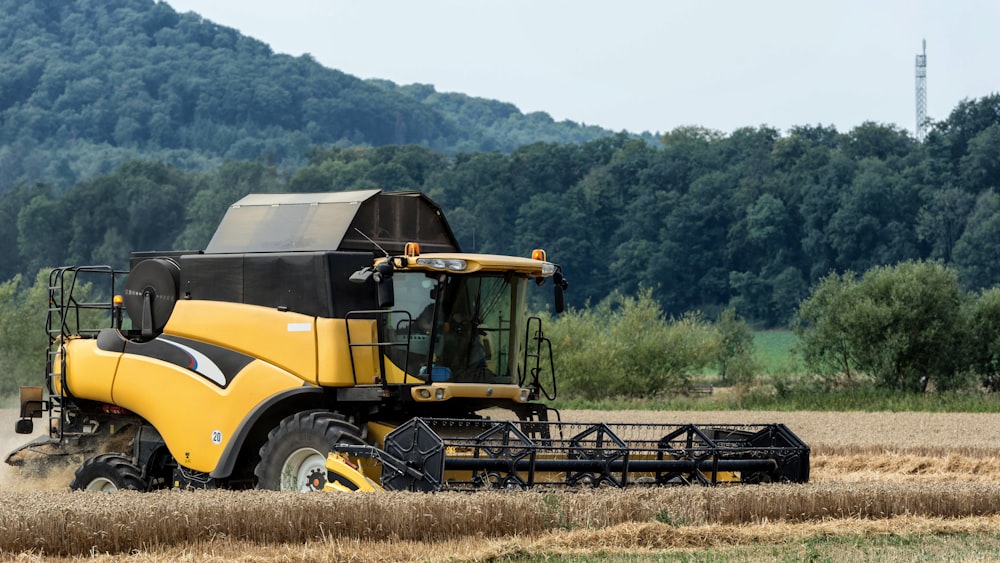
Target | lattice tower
(921,75)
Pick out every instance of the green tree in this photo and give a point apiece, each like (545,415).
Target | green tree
(975,252)
(735,357)
(763,255)
(877,140)
(824,325)
(874,224)
(983,340)
(11,204)
(949,140)
(979,166)
(900,326)
(820,200)
(942,220)
(41,236)
(691,263)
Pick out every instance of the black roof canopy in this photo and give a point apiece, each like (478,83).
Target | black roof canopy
(333,221)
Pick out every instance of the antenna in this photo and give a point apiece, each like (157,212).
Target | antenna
(921,75)
(371,241)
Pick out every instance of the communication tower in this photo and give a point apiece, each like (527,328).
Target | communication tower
(921,73)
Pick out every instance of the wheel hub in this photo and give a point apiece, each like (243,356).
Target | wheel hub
(304,470)
(102,485)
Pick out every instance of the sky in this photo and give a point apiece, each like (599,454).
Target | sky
(652,65)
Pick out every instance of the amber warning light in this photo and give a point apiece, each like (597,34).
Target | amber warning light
(538,254)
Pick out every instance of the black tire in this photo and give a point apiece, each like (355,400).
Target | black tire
(294,456)
(108,473)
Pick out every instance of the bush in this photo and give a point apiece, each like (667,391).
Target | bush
(983,340)
(735,355)
(625,347)
(900,326)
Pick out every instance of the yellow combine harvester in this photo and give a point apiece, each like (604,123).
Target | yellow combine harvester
(339,341)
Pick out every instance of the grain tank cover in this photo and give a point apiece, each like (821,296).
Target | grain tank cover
(307,222)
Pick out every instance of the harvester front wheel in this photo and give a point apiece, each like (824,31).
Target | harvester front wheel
(108,473)
(294,456)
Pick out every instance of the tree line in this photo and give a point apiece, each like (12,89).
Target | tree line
(749,220)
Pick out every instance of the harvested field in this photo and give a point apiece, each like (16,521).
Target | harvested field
(874,475)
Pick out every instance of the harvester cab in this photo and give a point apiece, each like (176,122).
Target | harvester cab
(338,340)
(459,319)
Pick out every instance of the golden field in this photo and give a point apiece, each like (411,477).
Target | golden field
(875,477)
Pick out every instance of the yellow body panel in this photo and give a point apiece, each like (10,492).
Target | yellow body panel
(350,472)
(437,392)
(194,416)
(377,432)
(287,340)
(90,371)
(57,375)
(335,364)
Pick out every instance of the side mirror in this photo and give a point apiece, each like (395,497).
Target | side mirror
(560,287)
(24,426)
(383,280)
(362,275)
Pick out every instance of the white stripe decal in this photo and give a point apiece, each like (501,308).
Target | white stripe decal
(202,364)
(299,327)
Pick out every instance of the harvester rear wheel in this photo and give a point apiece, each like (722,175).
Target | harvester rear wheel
(294,456)
(108,473)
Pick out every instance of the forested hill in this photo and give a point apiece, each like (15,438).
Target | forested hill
(87,84)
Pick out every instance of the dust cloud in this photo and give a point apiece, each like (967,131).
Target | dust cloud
(56,476)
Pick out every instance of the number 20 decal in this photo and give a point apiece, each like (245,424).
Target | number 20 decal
(216,437)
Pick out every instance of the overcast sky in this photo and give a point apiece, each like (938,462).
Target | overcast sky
(651,65)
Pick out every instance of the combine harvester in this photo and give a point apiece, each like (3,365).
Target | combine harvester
(340,341)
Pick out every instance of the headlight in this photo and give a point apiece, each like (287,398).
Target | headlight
(443,264)
(548,269)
